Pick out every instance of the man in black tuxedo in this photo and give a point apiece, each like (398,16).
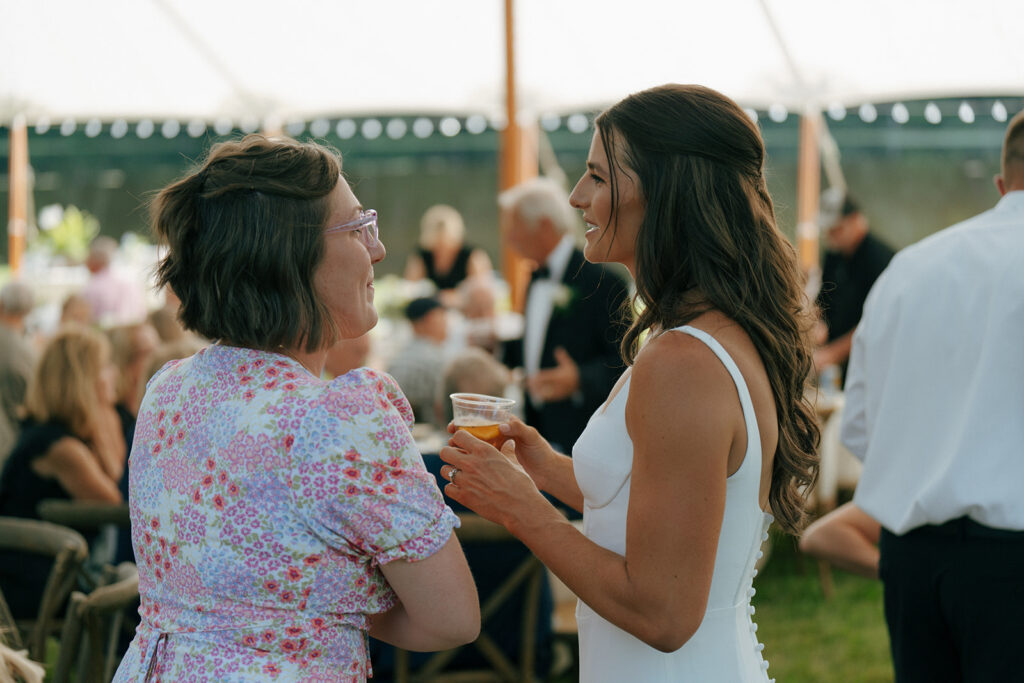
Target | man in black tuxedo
(574,315)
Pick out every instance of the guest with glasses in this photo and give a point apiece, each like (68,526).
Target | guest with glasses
(278,518)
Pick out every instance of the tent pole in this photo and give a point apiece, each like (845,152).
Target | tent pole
(17,214)
(518,162)
(808,187)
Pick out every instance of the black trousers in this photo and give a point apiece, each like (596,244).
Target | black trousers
(954,603)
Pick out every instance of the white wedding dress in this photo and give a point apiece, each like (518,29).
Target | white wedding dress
(725,647)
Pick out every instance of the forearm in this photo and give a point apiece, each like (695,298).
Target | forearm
(437,606)
(597,576)
(835,352)
(396,627)
(558,479)
(108,444)
(846,549)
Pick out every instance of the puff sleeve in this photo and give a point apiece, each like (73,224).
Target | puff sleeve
(358,478)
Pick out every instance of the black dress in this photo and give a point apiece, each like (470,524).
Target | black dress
(456,274)
(23,577)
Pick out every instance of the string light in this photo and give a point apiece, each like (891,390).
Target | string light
(498,122)
(577,123)
(777,113)
(999,112)
(476,124)
(449,126)
(965,112)
(170,129)
(396,128)
(118,129)
(345,129)
(250,124)
(422,127)
(836,111)
(900,114)
(371,129)
(320,128)
(550,122)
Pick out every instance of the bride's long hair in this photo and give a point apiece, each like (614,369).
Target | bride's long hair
(709,229)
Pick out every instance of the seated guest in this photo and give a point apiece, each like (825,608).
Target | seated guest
(71,446)
(443,257)
(478,305)
(76,310)
(278,518)
(16,359)
(132,345)
(472,371)
(417,366)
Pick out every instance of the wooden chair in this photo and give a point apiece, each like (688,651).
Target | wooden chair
(92,627)
(84,516)
(68,551)
(529,573)
(9,634)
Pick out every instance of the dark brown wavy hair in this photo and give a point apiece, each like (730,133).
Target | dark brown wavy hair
(244,233)
(709,240)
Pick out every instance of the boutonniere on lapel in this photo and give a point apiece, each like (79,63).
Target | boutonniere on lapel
(562,299)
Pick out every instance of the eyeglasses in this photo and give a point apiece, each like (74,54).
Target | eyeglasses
(367,222)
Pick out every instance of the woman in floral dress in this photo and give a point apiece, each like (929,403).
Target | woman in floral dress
(277,518)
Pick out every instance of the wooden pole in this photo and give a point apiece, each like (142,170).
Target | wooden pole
(518,162)
(17,213)
(808,187)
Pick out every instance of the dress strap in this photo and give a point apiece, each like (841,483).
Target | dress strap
(753,452)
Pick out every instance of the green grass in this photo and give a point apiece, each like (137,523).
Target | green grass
(811,639)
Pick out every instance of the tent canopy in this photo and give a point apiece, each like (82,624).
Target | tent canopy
(277,61)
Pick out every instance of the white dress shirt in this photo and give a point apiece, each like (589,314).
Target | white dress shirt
(539,304)
(935,386)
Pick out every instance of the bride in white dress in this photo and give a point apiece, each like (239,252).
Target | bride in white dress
(707,438)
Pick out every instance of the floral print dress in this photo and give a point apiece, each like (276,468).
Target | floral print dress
(263,502)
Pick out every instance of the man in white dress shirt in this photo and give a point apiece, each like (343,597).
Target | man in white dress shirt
(935,409)
(570,346)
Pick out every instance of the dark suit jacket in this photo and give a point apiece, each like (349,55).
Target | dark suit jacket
(589,327)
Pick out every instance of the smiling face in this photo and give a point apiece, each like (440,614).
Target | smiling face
(612,227)
(344,278)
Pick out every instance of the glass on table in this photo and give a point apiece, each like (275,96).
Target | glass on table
(480,415)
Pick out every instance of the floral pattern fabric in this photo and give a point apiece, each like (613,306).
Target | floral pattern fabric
(263,502)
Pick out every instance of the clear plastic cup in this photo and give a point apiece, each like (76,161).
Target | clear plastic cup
(480,415)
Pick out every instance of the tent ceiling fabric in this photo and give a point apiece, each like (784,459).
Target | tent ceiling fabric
(305,58)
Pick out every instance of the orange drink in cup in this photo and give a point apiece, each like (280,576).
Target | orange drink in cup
(480,415)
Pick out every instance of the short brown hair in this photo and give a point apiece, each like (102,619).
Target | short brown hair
(245,234)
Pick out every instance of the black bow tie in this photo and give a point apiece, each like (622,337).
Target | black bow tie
(542,273)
